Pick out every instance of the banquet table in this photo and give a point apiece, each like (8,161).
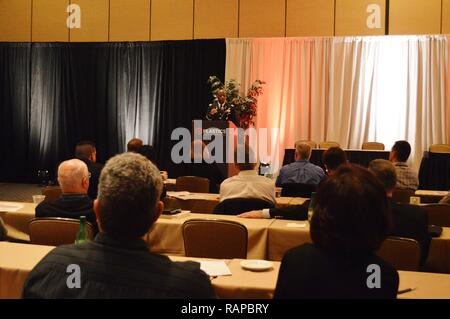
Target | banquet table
(206,202)
(361,157)
(17,260)
(430,196)
(17,221)
(284,235)
(166,234)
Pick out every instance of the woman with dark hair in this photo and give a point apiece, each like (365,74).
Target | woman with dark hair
(349,224)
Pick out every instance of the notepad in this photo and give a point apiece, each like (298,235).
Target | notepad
(215,268)
(10,207)
(183,213)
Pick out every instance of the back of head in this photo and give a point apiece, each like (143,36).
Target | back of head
(303,151)
(402,149)
(85,150)
(71,175)
(334,157)
(134,145)
(351,212)
(129,190)
(245,158)
(385,171)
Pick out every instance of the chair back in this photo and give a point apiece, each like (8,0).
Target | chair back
(402,196)
(236,206)
(401,253)
(440,148)
(328,144)
(297,190)
(192,184)
(215,238)
(310,143)
(438,214)
(373,146)
(55,231)
(52,193)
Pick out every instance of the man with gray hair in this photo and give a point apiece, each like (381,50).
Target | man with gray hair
(301,171)
(73,178)
(118,263)
(408,221)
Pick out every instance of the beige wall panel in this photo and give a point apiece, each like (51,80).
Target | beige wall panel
(216,19)
(15,21)
(50,21)
(415,17)
(172,19)
(310,18)
(352,17)
(262,18)
(129,20)
(446,16)
(94,21)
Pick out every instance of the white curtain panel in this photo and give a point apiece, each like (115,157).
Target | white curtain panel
(348,89)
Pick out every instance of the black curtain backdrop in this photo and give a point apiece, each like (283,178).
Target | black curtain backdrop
(53,95)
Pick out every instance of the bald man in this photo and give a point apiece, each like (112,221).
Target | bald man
(73,177)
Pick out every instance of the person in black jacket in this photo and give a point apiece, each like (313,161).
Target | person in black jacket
(87,152)
(349,224)
(73,178)
(118,263)
(409,221)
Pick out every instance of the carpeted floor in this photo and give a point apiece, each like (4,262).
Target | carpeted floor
(19,192)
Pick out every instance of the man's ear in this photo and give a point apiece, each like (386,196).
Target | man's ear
(158,210)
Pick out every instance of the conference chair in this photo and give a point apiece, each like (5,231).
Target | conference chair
(310,143)
(193,184)
(373,146)
(236,206)
(215,238)
(401,253)
(327,145)
(438,214)
(55,231)
(297,190)
(440,148)
(52,193)
(402,196)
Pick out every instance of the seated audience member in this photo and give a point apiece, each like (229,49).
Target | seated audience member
(201,167)
(446,199)
(407,178)
(409,221)
(118,264)
(301,171)
(87,152)
(332,158)
(134,145)
(73,178)
(349,224)
(247,183)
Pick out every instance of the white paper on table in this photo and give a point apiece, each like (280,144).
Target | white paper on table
(215,268)
(179,195)
(295,225)
(10,207)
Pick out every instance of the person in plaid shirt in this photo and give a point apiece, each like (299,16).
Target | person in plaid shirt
(407,178)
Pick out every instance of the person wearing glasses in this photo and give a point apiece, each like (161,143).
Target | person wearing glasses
(73,178)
